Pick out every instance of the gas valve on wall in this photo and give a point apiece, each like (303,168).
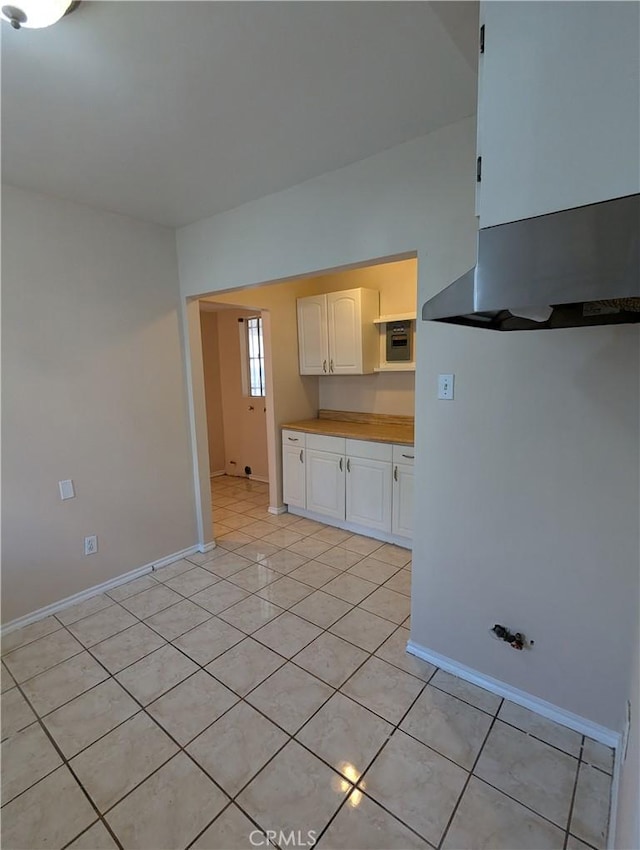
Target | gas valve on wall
(515,639)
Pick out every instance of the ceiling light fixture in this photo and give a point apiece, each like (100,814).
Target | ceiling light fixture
(36,14)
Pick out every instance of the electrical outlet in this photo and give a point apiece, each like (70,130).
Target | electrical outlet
(91,545)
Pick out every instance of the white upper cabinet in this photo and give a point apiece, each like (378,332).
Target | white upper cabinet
(353,337)
(558,106)
(336,334)
(313,338)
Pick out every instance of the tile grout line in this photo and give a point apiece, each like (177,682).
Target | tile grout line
(242,698)
(356,786)
(89,648)
(289,735)
(573,795)
(65,763)
(470,773)
(181,748)
(370,653)
(142,710)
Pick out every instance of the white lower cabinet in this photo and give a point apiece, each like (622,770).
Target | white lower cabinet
(293,476)
(325,483)
(357,483)
(402,513)
(369,484)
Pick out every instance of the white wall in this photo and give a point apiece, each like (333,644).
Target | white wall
(212,390)
(93,390)
(383,392)
(419,197)
(529,509)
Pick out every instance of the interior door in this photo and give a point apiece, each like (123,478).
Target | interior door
(325,483)
(345,332)
(369,493)
(313,344)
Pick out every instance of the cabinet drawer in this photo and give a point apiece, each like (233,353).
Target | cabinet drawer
(369,450)
(323,443)
(403,454)
(294,438)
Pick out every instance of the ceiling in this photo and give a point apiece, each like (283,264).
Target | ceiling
(173,111)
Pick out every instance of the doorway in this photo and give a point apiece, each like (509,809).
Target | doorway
(235,388)
(292,396)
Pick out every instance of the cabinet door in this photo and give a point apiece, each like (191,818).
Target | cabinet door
(558,110)
(345,332)
(369,493)
(313,344)
(325,483)
(402,522)
(293,476)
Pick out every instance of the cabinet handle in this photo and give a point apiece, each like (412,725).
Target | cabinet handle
(348,464)
(293,439)
(395,473)
(411,457)
(340,464)
(331,365)
(301,456)
(324,365)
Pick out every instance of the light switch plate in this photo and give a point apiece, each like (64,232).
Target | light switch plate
(445,387)
(66,489)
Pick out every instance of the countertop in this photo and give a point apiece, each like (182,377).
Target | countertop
(375,427)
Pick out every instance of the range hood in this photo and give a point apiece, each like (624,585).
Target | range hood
(573,268)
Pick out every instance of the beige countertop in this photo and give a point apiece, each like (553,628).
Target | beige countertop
(358,426)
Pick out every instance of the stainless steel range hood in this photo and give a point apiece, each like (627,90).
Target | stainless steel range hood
(573,268)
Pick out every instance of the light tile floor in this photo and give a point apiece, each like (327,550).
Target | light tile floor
(265,686)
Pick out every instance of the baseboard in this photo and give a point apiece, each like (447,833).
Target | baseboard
(164,562)
(260,478)
(206,547)
(218,473)
(615,792)
(539,706)
(41,613)
(282,509)
(353,527)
